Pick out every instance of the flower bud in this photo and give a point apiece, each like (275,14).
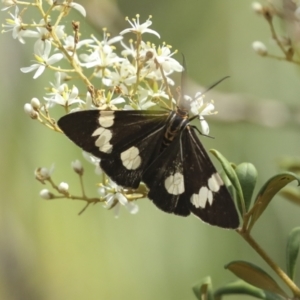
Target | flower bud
(63,187)
(35,103)
(45,194)
(77,167)
(102,191)
(260,48)
(30,111)
(43,174)
(257,7)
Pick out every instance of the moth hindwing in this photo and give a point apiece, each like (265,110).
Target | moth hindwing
(161,149)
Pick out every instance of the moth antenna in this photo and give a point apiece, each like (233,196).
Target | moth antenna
(215,84)
(183,84)
(183,77)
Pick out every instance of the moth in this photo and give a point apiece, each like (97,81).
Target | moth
(160,148)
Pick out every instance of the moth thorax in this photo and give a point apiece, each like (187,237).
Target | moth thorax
(176,124)
(182,112)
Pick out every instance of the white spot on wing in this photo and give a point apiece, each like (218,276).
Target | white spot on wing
(174,184)
(103,141)
(215,182)
(206,193)
(200,199)
(131,159)
(106,118)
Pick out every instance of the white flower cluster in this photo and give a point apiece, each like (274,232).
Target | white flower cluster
(118,74)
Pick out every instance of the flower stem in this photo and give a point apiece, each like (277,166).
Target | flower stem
(284,277)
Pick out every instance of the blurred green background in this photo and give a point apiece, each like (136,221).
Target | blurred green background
(48,252)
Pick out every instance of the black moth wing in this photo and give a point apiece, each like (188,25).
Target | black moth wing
(108,134)
(128,172)
(188,167)
(202,178)
(168,164)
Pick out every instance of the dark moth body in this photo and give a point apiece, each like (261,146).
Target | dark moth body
(161,149)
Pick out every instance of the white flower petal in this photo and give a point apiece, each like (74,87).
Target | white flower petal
(30,68)
(121,198)
(55,58)
(47,48)
(117,210)
(39,71)
(132,208)
(117,101)
(79,8)
(204,126)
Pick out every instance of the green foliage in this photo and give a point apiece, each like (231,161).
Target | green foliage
(255,276)
(254,280)
(292,251)
(268,191)
(247,175)
(241,287)
(203,289)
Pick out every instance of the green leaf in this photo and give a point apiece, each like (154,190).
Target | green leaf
(203,290)
(228,183)
(231,174)
(244,288)
(292,251)
(268,191)
(247,175)
(255,276)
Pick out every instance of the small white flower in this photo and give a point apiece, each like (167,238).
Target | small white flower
(138,28)
(103,55)
(77,166)
(42,52)
(58,88)
(260,48)
(65,98)
(156,76)
(146,98)
(63,187)
(41,33)
(131,50)
(36,104)
(71,47)
(201,108)
(43,174)
(30,111)
(45,194)
(124,73)
(107,40)
(162,56)
(15,25)
(115,198)
(257,7)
